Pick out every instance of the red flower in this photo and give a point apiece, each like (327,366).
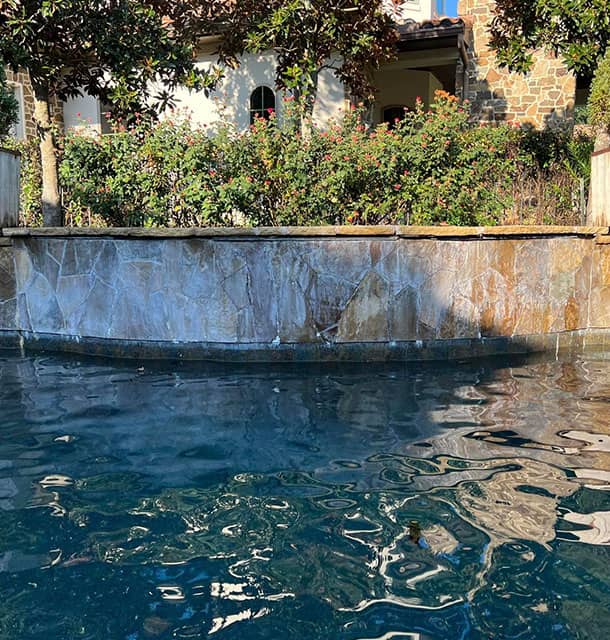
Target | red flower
(396,187)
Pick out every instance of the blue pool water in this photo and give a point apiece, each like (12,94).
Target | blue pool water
(466,501)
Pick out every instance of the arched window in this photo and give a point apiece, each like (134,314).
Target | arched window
(262,103)
(392,114)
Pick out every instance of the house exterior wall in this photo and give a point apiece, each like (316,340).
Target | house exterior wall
(83,113)
(230,102)
(417,10)
(22,79)
(545,96)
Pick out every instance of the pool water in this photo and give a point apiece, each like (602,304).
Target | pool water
(456,501)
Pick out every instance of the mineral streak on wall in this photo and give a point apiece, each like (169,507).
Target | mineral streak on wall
(307,293)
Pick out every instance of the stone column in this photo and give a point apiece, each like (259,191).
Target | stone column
(543,97)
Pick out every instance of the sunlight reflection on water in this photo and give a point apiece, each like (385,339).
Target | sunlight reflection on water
(454,501)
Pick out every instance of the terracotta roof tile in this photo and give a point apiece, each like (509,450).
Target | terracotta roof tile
(437,24)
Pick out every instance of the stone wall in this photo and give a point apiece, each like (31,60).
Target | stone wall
(22,78)
(313,287)
(544,96)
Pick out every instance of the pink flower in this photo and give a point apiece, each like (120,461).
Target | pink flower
(78,115)
(396,187)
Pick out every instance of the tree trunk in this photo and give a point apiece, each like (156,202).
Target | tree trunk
(51,204)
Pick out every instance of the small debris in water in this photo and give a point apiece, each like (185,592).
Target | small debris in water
(414,531)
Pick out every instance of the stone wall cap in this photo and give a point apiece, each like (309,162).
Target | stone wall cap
(13,152)
(307,232)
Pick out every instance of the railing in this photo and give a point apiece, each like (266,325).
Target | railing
(10,169)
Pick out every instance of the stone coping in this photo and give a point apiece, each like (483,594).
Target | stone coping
(13,152)
(438,350)
(397,231)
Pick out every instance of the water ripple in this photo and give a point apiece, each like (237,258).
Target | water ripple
(445,503)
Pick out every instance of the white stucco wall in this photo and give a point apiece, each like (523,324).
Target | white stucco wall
(83,114)
(230,103)
(417,10)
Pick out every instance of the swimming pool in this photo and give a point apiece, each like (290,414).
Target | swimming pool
(464,500)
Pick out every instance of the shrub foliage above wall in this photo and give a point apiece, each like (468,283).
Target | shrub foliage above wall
(433,166)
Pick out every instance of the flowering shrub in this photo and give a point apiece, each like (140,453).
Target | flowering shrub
(434,166)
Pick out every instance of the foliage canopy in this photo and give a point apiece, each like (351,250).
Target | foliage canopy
(308,36)
(118,50)
(599,100)
(577,30)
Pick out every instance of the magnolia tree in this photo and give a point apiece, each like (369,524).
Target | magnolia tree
(117,50)
(577,30)
(310,36)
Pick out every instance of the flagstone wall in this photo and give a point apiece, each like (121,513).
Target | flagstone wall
(323,287)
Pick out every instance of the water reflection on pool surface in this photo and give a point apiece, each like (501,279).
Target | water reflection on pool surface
(405,501)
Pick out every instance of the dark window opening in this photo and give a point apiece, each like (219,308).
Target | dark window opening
(583,88)
(262,103)
(392,115)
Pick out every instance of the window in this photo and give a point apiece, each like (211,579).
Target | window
(392,114)
(18,129)
(262,103)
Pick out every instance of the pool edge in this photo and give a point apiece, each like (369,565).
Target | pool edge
(408,351)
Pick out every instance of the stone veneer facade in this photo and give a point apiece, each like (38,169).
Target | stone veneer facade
(22,79)
(544,96)
(324,291)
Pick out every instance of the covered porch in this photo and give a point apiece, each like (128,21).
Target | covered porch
(431,56)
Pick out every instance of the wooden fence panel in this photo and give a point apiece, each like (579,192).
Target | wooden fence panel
(600,188)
